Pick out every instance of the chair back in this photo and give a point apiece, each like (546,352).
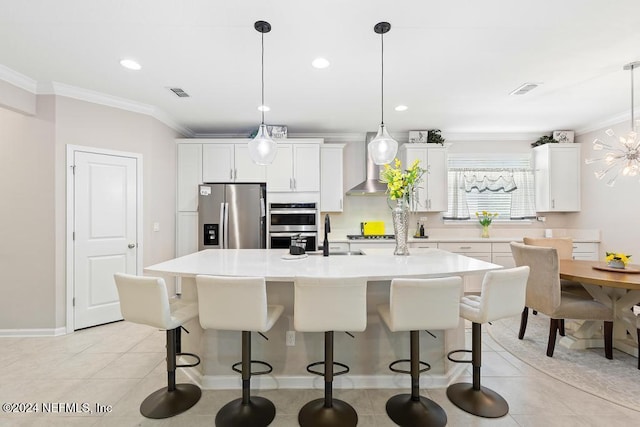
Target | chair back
(416,304)
(144,300)
(232,303)
(543,285)
(564,245)
(503,293)
(330,304)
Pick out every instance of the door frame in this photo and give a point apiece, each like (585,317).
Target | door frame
(70,268)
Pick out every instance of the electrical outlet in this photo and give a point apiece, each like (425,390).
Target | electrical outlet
(291,338)
(156,226)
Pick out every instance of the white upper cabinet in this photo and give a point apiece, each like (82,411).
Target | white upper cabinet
(557,177)
(432,191)
(331,177)
(230,162)
(189,176)
(296,168)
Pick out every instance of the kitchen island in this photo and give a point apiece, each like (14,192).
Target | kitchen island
(368,354)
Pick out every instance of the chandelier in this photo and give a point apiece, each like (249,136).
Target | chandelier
(622,155)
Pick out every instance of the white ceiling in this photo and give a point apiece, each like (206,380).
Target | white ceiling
(453,62)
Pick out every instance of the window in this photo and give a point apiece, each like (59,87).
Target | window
(497,183)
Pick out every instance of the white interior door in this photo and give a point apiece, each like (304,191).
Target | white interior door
(105,228)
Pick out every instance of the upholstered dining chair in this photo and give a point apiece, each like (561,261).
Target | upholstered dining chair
(564,246)
(545,295)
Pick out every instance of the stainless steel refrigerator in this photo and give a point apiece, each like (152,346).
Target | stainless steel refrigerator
(232,216)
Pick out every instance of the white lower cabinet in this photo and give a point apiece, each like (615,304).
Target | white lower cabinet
(481,251)
(338,247)
(187,233)
(501,255)
(373,245)
(587,251)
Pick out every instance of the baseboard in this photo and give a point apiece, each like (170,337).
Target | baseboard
(270,382)
(48,332)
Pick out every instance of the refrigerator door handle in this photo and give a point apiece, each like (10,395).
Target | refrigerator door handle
(222,215)
(226,226)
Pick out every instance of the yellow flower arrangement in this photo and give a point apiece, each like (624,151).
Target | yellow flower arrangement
(485,217)
(400,184)
(614,256)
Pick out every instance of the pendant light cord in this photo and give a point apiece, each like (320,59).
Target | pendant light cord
(632,124)
(262,65)
(382,80)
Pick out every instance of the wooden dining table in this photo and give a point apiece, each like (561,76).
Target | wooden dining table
(618,289)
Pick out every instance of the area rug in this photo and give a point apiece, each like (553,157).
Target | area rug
(616,380)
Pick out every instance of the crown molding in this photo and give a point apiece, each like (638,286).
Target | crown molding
(17,79)
(68,91)
(612,121)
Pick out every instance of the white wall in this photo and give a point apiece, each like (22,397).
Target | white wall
(613,210)
(33,177)
(27,222)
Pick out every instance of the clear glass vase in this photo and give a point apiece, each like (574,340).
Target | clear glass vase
(485,231)
(400,216)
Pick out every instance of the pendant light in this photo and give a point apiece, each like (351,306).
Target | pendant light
(623,154)
(383,148)
(262,148)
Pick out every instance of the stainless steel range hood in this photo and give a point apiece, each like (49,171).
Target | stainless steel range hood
(371,185)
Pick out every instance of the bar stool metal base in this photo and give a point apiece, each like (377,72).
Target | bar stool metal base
(164,403)
(483,403)
(316,414)
(405,411)
(257,413)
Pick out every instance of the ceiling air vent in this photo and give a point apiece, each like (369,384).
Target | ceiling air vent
(527,87)
(179,92)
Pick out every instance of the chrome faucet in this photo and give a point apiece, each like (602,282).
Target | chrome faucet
(327,230)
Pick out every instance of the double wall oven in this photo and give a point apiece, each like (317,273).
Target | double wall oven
(287,220)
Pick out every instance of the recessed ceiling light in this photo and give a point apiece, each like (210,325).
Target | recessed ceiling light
(130,64)
(402,108)
(263,108)
(320,63)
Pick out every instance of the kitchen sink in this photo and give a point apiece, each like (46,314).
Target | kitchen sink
(356,252)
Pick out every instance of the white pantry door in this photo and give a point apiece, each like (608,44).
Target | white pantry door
(105,240)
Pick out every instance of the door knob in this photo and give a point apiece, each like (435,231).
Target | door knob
(131,245)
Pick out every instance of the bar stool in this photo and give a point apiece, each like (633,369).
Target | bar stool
(503,295)
(240,304)
(144,300)
(327,305)
(416,304)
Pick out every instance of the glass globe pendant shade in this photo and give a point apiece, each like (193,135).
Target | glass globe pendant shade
(383,148)
(262,149)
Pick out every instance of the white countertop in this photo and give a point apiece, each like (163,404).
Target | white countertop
(377,264)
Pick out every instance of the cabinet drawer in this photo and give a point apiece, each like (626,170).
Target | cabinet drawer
(338,247)
(465,247)
(501,247)
(581,247)
(424,245)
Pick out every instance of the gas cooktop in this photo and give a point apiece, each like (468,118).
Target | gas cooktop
(371,237)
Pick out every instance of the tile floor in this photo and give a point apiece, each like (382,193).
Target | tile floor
(121,363)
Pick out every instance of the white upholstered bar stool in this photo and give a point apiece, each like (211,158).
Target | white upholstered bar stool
(328,305)
(240,304)
(503,295)
(416,304)
(145,300)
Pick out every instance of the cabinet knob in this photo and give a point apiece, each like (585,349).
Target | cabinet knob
(131,245)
